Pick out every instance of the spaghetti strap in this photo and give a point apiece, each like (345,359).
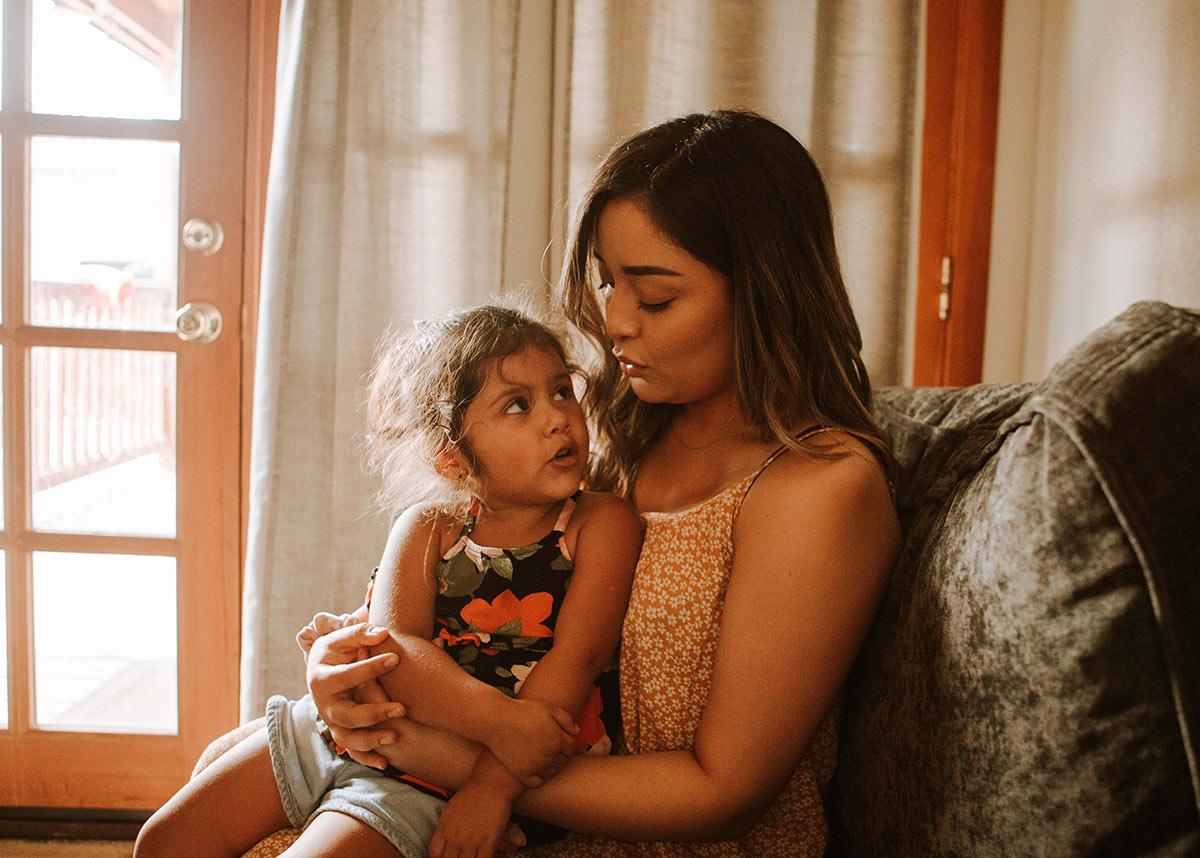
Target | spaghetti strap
(779,451)
(564,515)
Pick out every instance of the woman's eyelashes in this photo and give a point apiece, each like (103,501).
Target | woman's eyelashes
(656,307)
(605,289)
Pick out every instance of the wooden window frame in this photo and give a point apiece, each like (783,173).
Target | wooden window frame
(958,156)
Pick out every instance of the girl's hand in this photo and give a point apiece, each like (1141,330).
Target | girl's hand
(473,824)
(324,623)
(533,740)
(338,667)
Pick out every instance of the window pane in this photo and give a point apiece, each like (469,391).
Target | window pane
(102,441)
(104,221)
(111,58)
(3,644)
(105,642)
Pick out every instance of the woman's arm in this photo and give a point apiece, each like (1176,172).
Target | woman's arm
(818,573)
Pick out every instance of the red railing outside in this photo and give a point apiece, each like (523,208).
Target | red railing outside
(95,408)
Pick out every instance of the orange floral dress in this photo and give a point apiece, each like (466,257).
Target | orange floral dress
(669,641)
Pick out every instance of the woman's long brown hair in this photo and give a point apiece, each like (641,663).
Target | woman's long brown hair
(742,195)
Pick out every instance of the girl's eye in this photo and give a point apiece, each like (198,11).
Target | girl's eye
(516,406)
(655,308)
(564,393)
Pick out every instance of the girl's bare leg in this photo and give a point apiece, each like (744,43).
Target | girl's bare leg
(221,812)
(336,834)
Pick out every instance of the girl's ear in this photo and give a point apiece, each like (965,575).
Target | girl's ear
(449,464)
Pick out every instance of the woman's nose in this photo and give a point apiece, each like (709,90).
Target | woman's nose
(619,321)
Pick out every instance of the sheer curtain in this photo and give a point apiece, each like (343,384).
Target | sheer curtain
(839,74)
(400,185)
(385,201)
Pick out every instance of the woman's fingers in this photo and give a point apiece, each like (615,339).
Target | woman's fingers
(370,759)
(512,839)
(343,645)
(564,720)
(349,715)
(340,677)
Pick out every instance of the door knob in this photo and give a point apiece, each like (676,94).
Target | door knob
(198,322)
(202,235)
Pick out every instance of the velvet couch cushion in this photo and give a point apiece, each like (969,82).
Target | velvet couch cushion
(1032,684)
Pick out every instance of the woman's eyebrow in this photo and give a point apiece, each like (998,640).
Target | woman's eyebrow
(642,270)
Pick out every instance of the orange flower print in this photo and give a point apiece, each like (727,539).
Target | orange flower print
(508,615)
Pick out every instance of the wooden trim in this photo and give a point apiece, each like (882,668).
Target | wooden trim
(962,88)
(260,120)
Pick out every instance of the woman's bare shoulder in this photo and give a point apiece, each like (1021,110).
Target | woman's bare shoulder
(844,486)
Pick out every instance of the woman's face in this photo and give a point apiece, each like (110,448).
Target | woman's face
(670,315)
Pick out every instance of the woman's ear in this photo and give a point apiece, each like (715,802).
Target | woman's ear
(450,465)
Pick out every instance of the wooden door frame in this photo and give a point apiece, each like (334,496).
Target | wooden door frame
(958,156)
(207,685)
(260,119)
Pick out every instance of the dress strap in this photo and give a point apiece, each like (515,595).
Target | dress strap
(470,518)
(779,451)
(564,515)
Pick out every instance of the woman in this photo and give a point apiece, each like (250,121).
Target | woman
(732,406)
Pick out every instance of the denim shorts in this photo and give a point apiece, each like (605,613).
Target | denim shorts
(312,779)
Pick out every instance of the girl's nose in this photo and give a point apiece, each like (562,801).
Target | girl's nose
(556,421)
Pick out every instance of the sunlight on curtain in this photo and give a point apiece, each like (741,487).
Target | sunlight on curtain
(840,75)
(399,177)
(385,202)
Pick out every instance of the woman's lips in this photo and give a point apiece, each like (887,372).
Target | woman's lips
(631,369)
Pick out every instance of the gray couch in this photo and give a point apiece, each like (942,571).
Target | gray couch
(1032,684)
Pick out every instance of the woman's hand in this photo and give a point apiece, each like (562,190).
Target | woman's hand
(342,677)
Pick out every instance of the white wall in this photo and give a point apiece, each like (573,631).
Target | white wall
(1097,173)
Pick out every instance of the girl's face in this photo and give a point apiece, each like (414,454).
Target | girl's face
(527,431)
(670,315)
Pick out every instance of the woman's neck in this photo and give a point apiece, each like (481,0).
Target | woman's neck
(711,421)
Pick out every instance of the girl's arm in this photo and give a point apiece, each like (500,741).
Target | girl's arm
(586,635)
(814,542)
(434,690)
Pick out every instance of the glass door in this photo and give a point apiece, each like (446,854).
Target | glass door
(122,137)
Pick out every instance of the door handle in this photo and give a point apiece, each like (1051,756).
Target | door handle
(198,322)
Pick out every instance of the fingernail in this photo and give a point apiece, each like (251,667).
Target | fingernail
(387,740)
(376,630)
(395,712)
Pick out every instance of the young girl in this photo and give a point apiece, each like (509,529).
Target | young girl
(474,425)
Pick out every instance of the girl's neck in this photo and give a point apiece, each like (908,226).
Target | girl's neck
(505,526)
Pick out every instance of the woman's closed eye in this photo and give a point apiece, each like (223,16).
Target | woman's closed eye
(655,307)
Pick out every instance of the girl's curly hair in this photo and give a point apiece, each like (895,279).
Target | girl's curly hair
(421,385)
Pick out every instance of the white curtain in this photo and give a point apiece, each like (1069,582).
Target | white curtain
(1097,201)
(385,200)
(401,184)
